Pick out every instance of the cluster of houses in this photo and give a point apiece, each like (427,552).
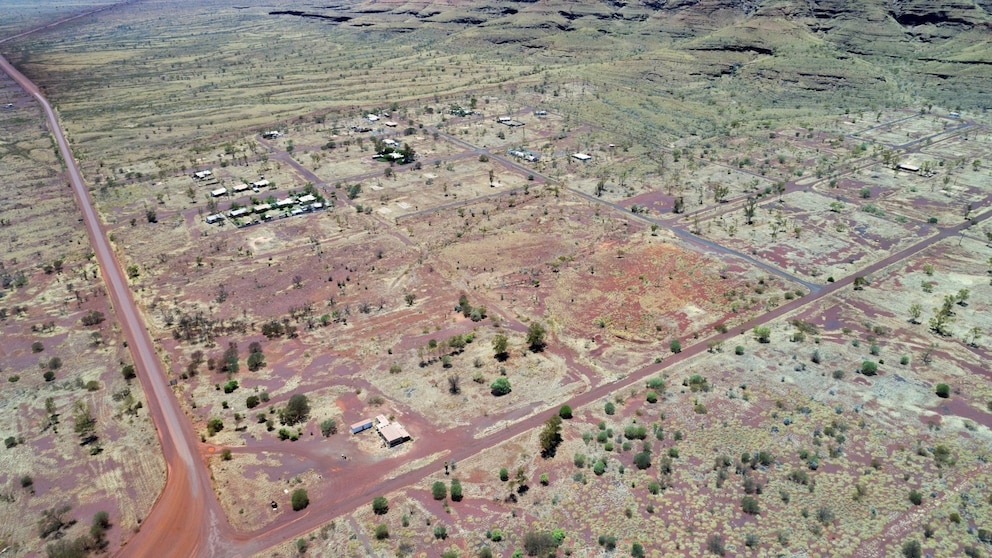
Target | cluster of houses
(392,433)
(525,154)
(267,211)
(256,186)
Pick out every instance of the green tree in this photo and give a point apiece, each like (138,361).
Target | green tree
(299,499)
(869,368)
(128,372)
(943,390)
(915,311)
(535,336)
(675,346)
(565,412)
(550,436)
(610,408)
(439,491)
(499,346)
(256,361)
(381,531)
(500,387)
(380,506)
(251,401)
(504,474)
(297,410)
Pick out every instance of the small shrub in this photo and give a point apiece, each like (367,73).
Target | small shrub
(610,408)
(381,531)
(565,412)
(943,390)
(299,499)
(739,350)
(439,491)
(504,475)
(915,497)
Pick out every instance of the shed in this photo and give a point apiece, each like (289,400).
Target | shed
(261,208)
(211,219)
(286,202)
(372,117)
(909,167)
(581,156)
(218,192)
(309,198)
(238,212)
(363,424)
(394,434)
(241,187)
(260,184)
(201,175)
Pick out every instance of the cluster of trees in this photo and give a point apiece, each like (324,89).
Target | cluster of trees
(53,523)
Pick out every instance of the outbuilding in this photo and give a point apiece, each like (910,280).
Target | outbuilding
(218,192)
(361,425)
(581,156)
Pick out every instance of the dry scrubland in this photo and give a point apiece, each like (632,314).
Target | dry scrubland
(782,192)
(62,380)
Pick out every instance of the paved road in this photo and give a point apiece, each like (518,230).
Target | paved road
(187,519)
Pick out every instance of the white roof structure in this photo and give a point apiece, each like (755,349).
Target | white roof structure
(238,212)
(218,192)
(241,187)
(307,199)
(261,208)
(372,117)
(260,184)
(285,203)
(581,156)
(202,174)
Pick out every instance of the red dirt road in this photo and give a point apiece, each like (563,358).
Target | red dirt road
(187,519)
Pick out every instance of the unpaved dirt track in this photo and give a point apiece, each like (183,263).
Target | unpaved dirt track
(186,520)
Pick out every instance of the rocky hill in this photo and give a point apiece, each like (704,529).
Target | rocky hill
(941,49)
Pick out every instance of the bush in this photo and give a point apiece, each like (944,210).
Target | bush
(943,390)
(504,475)
(750,505)
(380,506)
(651,397)
(599,468)
(328,427)
(915,497)
(610,408)
(912,549)
(675,346)
(500,387)
(715,545)
(230,386)
(128,372)
(869,368)
(642,460)
(739,350)
(539,543)
(252,401)
(381,531)
(299,499)
(439,490)
(440,532)
(37,347)
(635,432)
(565,412)
(93,318)
(456,490)
(214,426)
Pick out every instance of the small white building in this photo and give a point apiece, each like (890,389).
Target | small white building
(260,184)
(218,192)
(309,198)
(239,212)
(241,187)
(285,203)
(390,123)
(909,167)
(372,118)
(581,156)
(211,219)
(261,208)
(202,175)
